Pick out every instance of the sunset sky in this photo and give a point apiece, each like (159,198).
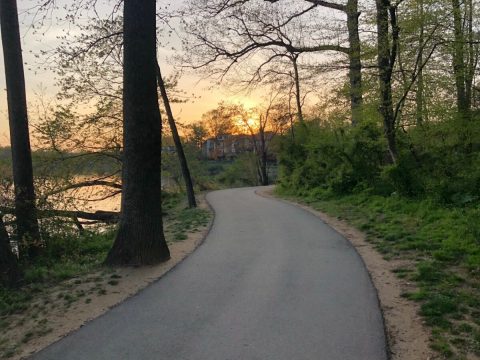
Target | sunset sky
(40,80)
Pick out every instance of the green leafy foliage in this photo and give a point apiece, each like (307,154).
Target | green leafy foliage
(330,157)
(437,161)
(240,172)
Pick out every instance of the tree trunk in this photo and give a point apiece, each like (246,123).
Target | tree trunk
(459,60)
(263,170)
(27,231)
(9,272)
(178,142)
(298,96)
(420,85)
(386,60)
(140,239)
(355,68)
(263,159)
(470,68)
(419,114)
(419,96)
(290,114)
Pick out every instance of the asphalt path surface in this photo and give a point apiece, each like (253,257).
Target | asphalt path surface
(271,281)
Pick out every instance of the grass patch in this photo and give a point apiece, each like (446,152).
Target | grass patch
(180,221)
(64,258)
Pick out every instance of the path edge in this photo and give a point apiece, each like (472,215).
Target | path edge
(173,266)
(406,336)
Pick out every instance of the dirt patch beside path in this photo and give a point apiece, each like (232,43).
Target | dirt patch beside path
(93,295)
(408,337)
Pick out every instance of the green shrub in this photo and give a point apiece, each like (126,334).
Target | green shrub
(433,161)
(338,158)
(240,172)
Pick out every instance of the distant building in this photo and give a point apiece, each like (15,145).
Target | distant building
(228,146)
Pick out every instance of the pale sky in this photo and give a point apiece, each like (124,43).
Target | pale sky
(40,80)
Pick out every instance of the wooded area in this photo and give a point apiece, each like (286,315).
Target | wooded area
(355,100)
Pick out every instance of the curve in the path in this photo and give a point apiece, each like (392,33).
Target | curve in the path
(271,282)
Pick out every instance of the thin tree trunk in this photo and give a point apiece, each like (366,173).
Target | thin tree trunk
(420,85)
(263,159)
(458,60)
(355,68)
(260,155)
(140,239)
(298,96)
(265,180)
(27,231)
(178,142)
(419,96)
(290,113)
(259,171)
(386,59)
(470,68)
(9,272)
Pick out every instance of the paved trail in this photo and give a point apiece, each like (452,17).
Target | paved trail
(271,282)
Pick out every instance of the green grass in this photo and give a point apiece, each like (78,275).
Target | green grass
(181,221)
(443,244)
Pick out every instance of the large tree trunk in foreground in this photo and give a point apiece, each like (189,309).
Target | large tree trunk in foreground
(140,239)
(27,232)
(178,142)
(355,68)
(9,271)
